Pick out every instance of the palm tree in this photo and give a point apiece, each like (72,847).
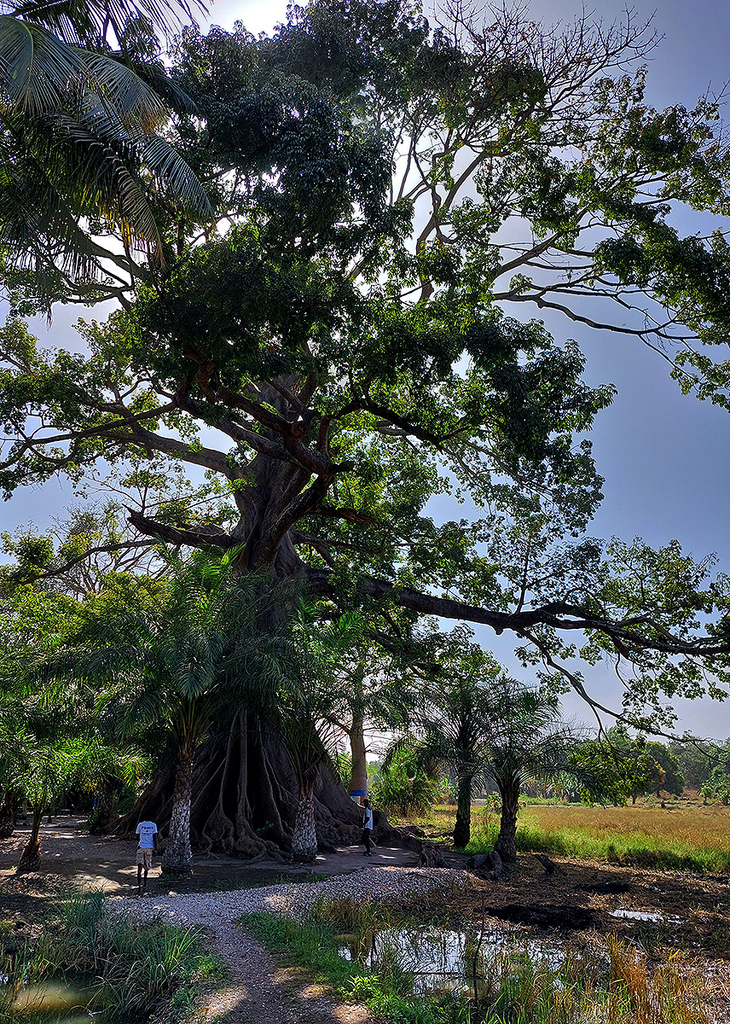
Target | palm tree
(179,663)
(526,740)
(452,725)
(304,708)
(485,726)
(365,681)
(45,769)
(80,149)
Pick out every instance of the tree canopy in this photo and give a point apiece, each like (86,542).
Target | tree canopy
(332,348)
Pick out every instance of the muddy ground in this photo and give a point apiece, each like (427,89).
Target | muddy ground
(660,912)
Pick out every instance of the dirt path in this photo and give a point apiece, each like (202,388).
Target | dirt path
(258,992)
(108,862)
(663,911)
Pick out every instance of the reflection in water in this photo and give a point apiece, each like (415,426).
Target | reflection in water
(55,1002)
(441,960)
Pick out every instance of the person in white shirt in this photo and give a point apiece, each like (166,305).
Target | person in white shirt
(367,827)
(147,846)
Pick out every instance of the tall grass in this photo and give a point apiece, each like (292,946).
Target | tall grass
(694,839)
(609,985)
(129,969)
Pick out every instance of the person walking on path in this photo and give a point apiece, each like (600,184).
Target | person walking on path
(367,827)
(147,832)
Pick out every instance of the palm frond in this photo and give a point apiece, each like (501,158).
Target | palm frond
(120,92)
(37,70)
(86,20)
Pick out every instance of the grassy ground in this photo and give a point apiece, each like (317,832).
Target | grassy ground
(680,837)
(85,960)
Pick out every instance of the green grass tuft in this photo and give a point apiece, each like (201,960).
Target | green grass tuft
(630,848)
(129,969)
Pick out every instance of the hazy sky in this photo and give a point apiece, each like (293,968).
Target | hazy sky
(664,456)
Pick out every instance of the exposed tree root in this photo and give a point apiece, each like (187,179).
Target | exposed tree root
(245,796)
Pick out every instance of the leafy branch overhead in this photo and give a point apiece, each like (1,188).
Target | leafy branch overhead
(334,346)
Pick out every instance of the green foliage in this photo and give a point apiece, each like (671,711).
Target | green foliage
(340,336)
(138,967)
(175,662)
(609,772)
(647,766)
(717,786)
(85,140)
(696,759)
(403,786)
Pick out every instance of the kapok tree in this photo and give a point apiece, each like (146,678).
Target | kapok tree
(332,349)
(173,665)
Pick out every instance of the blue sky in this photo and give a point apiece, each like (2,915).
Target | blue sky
(664,456)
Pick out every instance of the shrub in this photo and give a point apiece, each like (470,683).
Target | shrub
(403,787)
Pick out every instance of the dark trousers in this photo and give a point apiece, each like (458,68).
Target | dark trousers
(367,838)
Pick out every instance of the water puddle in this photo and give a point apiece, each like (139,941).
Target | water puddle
(55,1002)
(441,960)
(644,915)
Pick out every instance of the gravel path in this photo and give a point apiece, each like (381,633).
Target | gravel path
(259,992)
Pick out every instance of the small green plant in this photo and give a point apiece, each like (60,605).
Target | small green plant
(351,915)
(403,786)
(137,967)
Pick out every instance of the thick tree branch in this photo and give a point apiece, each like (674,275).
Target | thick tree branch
(557,614)
(199,537)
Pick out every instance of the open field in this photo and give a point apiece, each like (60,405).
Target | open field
(704,828)
(681,837)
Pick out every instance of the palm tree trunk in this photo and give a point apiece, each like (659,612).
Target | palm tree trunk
(107,806)
(7,818)
(359,769)
(304,840)
(178,856)
(30,858)
(506,845)
(462,828)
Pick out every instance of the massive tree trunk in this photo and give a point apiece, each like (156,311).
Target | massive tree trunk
(506,845)
(462,828)
(245,796)
(244,790)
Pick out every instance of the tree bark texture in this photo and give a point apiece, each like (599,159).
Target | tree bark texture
(245,797)
(304,839)
(178,856)
(358,754)
(30,858)
(7,816)
(462,828)
(506,845)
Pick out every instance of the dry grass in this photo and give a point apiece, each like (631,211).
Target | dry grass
(705,828)
(691,838)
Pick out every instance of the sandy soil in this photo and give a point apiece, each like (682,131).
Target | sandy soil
(687,912)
